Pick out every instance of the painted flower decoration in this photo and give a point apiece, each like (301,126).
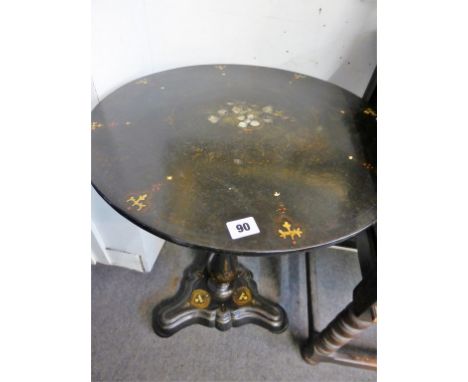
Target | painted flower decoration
(247,117)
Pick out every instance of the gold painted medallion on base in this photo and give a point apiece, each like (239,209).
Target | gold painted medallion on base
(200,299)
(242,296)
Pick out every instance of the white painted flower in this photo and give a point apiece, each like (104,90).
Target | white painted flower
(213,118)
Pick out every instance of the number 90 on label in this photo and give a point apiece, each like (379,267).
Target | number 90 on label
(242,228)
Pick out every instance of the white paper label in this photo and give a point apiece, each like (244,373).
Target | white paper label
(242,228)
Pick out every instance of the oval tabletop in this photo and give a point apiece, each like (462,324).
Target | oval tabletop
(183,152)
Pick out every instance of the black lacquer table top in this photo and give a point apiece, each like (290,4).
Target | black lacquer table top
(182,152)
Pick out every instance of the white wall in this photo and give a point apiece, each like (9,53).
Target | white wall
(133,38)
(333,40)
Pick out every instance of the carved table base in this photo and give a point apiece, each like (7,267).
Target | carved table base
(221,294)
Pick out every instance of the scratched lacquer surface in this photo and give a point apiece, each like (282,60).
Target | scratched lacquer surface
(183,152)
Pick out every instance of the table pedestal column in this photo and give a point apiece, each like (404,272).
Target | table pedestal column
(221,294)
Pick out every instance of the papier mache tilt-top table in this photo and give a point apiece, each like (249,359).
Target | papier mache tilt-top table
(235,160)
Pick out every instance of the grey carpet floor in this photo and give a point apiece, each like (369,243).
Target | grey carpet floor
(124,347)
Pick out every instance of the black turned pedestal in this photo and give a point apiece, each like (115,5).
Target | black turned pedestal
(221,294)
